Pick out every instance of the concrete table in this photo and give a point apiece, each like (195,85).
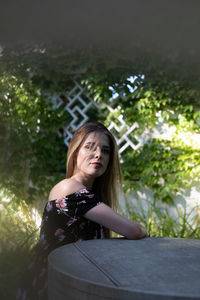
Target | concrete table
(151,268)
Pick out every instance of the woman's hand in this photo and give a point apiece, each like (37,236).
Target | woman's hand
(143,231)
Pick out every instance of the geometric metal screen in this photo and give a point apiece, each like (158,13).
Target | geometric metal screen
(79,102)
(124,133)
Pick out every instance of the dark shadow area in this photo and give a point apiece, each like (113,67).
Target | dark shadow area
(133,36)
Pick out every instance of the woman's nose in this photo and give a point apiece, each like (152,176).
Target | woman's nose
(98,152)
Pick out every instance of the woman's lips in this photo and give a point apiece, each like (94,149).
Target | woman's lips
(97,165)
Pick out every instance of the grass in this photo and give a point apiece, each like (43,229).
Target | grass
(159,223)
(18,236)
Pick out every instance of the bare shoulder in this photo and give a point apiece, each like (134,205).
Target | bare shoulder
(63,188)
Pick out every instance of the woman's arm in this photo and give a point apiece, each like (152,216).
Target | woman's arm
(107,217)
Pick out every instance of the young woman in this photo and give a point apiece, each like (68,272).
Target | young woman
(80,207)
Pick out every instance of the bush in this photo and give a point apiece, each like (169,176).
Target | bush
(18,236)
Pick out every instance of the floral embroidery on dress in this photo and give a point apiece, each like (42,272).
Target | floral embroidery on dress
(71,221)
(49,206)
(59,234)
(81,202)
(90,196)
(82,191)
(61,204)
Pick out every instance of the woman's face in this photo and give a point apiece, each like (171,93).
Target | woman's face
(93,156)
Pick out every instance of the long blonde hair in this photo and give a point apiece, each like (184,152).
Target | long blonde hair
(108,185)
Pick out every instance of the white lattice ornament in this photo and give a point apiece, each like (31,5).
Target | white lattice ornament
(78,103)
(124,132)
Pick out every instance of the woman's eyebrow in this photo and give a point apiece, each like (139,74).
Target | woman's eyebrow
(93,143)
(106,146)
(89,143)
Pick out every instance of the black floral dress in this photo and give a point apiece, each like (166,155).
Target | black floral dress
(63,222)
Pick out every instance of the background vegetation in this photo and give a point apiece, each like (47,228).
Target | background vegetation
(164,165)
(33,154)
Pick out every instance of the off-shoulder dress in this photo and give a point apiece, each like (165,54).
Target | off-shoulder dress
(63,222)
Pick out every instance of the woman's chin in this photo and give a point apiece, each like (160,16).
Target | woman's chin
(96,173)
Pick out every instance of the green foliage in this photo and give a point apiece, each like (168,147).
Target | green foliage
(159,223)
(29,126)
(166,165)
(18,236)
(31,150)
(163,167)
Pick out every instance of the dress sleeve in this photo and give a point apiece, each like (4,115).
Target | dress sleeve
(62,218)
(77,204)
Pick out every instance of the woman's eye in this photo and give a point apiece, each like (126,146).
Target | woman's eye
(87,146)
(106,151)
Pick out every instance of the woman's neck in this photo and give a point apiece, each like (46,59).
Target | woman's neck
(86,180)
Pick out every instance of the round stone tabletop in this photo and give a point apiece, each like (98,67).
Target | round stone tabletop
(151,268)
